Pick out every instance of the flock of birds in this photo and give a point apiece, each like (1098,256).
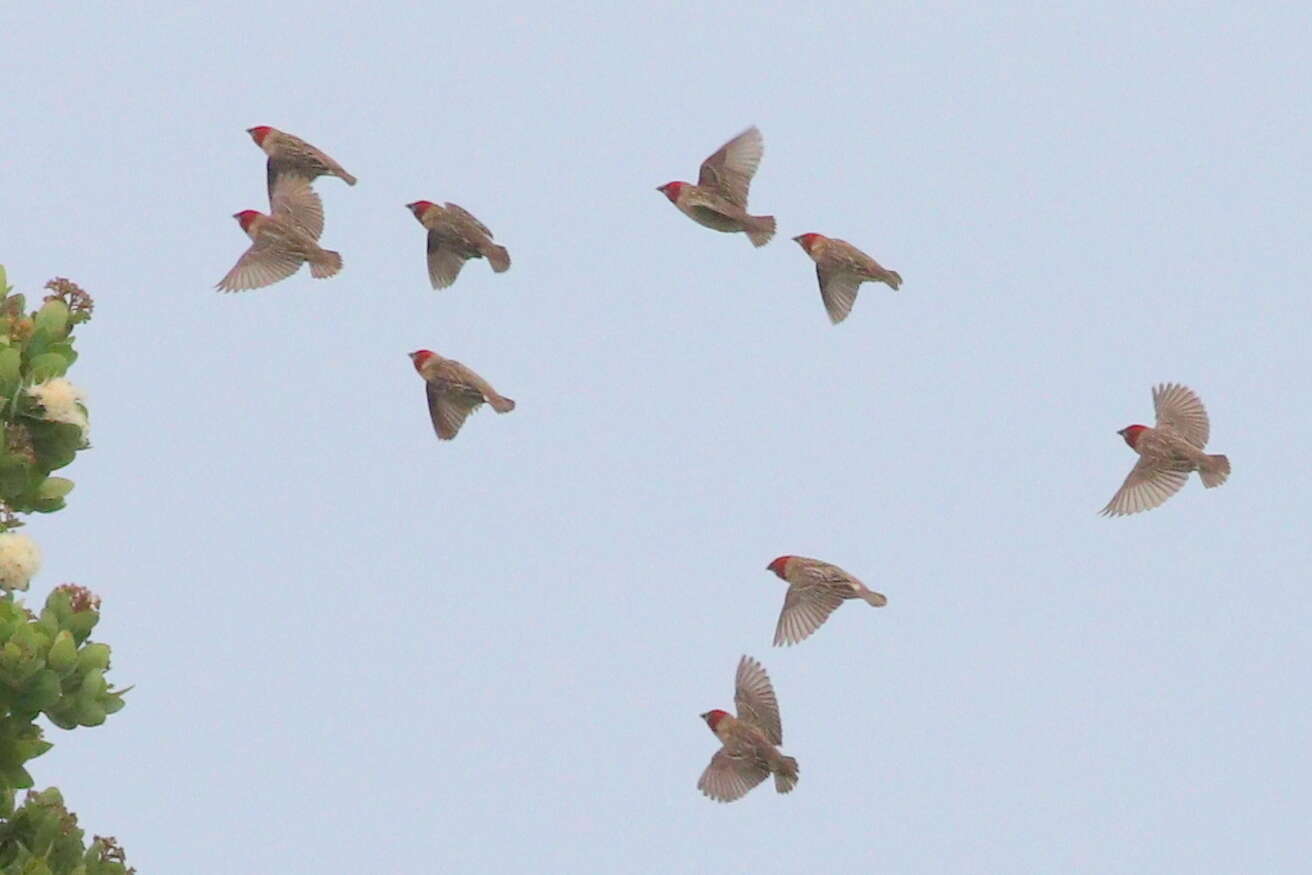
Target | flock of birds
(288,237)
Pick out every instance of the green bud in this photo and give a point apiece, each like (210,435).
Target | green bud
(93,657)
(63,653)
(93,685)
(90,713)
(81,624)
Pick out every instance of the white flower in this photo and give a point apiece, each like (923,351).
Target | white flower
(19,560)
(62,402)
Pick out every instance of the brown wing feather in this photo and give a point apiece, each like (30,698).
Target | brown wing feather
(448,407)
(754,698)
(730,169)
(263,264)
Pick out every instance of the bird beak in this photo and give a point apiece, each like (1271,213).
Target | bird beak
(797,239)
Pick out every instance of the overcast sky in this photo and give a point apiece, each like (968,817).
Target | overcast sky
(357,650)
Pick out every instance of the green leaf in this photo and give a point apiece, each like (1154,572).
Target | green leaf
(61,714)
(16,777)
(47,365)
(56,443)
(40,693)
(52,319)
(11,361)
(15,475)
(65,349)
(4,280)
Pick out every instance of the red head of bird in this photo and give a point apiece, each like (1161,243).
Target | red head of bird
(671,190)
(419,357)
(258,133)
(1131,434)
(713,718)
(247,217)
(808,241)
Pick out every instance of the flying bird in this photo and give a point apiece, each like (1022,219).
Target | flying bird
(841,268)
(749,754)
(454,237)
(719,199)
(289,155)
(283,240)
(454,391)
(1167,452)
(815,590)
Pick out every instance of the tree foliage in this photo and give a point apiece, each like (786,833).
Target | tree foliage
(49,666)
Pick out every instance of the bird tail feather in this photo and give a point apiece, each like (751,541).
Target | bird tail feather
(894,279)
(347,178)
(760,229)
(498,257)
(876,599)
(325,263)
(785,774)
(500,404)
(1214,470)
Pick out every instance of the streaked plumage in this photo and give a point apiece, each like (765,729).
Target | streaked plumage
(289,155)
(1168,452)
(815,590)
(748,754)
(454,391)
(719,199)
(454,237)
(283,241)
(841,268)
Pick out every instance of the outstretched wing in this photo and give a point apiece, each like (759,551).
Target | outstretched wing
(731,774)
(730,170)
(449,405)
(1148,485)
(755,699)
(444,260)
(838,290)
(263,264)
(293,200)
(1180,409)
(805,610)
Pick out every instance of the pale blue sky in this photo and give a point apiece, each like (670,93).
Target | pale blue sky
(357,650)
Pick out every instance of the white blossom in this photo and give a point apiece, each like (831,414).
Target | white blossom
(62,402)
(19,560)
